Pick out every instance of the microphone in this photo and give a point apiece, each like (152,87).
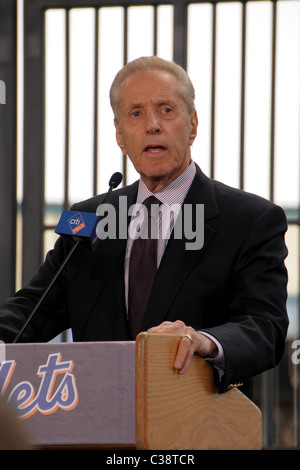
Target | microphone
(114,181)
(81,226)
(69,224)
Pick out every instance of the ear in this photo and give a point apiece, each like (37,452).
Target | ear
(119,138)
(194,127)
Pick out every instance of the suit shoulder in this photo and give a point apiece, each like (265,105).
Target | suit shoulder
(228,199)
(91,204)
(240,200)
(243,210)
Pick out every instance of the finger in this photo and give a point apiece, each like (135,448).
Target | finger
(162,328)
(184,355)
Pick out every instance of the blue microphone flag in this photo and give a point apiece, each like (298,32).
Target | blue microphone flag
(79,225)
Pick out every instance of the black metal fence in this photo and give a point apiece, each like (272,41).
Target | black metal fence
(35,216)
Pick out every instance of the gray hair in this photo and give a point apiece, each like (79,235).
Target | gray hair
(153,63)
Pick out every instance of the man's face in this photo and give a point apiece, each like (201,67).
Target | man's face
(154,128)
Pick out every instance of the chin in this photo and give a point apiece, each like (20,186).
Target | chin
(156,175)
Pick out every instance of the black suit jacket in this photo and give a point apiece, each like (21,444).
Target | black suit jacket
(234,287)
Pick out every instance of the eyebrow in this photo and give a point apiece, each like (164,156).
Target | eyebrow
(135,105)
(166,103)
(159,103)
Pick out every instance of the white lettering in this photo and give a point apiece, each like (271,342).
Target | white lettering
(2,92)
(296,354)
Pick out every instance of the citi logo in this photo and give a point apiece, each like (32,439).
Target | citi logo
(2,92)
(76,223)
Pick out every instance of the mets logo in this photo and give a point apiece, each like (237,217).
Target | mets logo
(76,223)
(52,393)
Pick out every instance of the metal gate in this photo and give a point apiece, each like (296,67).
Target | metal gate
(29,217)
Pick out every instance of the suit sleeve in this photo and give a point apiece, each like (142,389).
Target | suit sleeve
(52,317)
(253,339)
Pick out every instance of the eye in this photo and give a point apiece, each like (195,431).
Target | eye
(135,114)
(166,110)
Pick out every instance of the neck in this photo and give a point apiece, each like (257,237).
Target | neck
(157,184)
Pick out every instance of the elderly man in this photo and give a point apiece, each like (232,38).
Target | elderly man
(226,299)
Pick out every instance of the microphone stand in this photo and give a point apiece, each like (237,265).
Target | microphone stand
(113,183)
(47,290)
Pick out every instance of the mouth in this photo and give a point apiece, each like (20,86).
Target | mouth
(154,149)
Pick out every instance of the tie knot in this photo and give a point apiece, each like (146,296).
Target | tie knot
(150,224)
(151,200)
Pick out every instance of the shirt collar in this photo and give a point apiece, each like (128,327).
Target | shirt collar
(174,193)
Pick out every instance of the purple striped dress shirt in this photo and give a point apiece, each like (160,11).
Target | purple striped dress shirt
(172,196)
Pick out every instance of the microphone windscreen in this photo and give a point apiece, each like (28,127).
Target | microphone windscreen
(116,179)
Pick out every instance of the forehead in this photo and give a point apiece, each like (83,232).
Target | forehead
(149,85)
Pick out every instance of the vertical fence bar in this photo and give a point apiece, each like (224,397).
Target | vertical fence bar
(67,108)
(34,139)
(180,33)
(270,382)
(242,131)
(125,59)
(8,148)
(213,91)
(95,164)
(155,31)
(273,92)
(64,336)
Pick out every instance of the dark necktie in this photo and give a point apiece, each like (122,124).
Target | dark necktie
(142,269)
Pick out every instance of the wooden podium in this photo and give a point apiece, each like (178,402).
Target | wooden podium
(186,411)
(123,395)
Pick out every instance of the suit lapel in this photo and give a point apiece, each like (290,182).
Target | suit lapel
(178,261)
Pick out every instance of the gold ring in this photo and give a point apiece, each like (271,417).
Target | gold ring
(189,337)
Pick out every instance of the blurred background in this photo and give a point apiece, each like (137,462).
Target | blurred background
(57,139)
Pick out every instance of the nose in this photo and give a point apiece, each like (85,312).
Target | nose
(152,124)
